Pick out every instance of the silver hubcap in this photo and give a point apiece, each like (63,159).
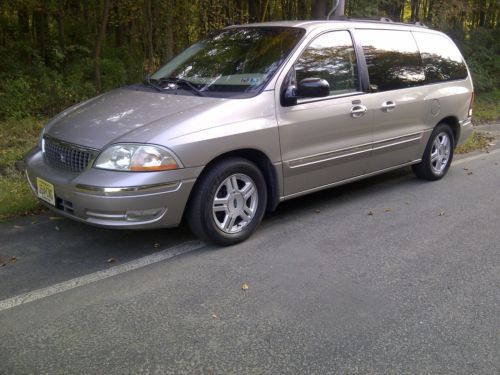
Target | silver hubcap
(440,153)
(235,203)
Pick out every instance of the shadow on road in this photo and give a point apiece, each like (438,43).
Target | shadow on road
(49,249)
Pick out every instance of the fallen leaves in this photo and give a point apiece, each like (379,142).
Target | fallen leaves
(3,263)
(156,245)
(112,260)
(441,213)
(244,286)
(371,213)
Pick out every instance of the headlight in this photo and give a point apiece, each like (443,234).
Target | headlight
(136,158)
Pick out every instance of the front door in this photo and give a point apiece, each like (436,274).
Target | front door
(325,140)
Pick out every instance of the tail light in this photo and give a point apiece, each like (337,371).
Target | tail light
(471,104)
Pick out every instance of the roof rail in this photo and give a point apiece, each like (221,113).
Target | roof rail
(381,20)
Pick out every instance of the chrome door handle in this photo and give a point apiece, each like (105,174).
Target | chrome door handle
(358,111)
(388,106)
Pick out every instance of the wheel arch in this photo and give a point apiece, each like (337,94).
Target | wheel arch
(262,161)
(453,123)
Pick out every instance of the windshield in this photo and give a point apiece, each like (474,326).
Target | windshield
(232,62)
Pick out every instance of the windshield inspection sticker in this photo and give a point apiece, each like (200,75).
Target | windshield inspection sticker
(250,80)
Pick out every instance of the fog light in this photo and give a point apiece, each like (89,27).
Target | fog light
(144,215)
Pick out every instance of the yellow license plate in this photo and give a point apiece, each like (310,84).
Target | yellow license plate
(45,191)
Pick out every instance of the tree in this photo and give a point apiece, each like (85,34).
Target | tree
(98,45)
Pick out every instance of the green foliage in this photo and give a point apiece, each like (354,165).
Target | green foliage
(486,107)
(482,51)
(49,49)
(17,137)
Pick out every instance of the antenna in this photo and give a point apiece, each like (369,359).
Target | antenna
(335,6)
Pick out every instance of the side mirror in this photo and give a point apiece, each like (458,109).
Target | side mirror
(313,88)
(308,88)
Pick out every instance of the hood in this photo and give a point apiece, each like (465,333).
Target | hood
(111,116)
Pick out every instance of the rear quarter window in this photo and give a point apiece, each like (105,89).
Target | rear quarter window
(441,57)
(392,58)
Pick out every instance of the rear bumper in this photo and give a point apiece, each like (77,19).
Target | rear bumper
(466,128)
(141,200)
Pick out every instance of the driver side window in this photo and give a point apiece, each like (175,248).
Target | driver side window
(330,56)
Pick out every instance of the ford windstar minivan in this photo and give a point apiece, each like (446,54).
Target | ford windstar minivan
(254,115)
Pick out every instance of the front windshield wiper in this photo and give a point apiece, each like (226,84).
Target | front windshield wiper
(182,81)
(148,81)
(178,81)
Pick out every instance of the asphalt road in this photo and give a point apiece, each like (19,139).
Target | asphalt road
(390,275)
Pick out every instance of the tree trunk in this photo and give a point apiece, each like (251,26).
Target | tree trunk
(60,24)
(41,29)
(340,11)
(481,13)
(23,21)
(149,36)
(430,9)
(254,10)
(98,45)
(415,10)
(302,11)
(319,9)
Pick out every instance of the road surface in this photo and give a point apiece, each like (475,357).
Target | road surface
(388,275)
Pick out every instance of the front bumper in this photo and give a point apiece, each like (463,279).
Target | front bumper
(141,200)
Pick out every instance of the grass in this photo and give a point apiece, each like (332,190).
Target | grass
(487,107)
(17,137)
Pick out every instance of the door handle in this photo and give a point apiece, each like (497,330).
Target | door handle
(358,111)
(388,106)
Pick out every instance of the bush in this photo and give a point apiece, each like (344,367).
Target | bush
(482,52)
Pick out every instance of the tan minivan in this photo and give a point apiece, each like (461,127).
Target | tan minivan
(254,115)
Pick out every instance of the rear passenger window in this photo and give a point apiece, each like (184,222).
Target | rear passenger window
(442,59)
(392,58)
(330,56)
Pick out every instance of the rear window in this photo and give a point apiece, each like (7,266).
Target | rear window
(442,59)
(392,58)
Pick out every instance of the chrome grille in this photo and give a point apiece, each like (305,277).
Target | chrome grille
(66,155)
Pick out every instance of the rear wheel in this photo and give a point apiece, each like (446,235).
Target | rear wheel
(228,202)
(438,154)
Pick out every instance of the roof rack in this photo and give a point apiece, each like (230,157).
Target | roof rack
(381,20)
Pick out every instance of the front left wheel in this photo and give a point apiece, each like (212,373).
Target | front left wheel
(228,203)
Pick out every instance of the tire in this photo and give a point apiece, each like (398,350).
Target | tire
(228,203)
(438,154)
